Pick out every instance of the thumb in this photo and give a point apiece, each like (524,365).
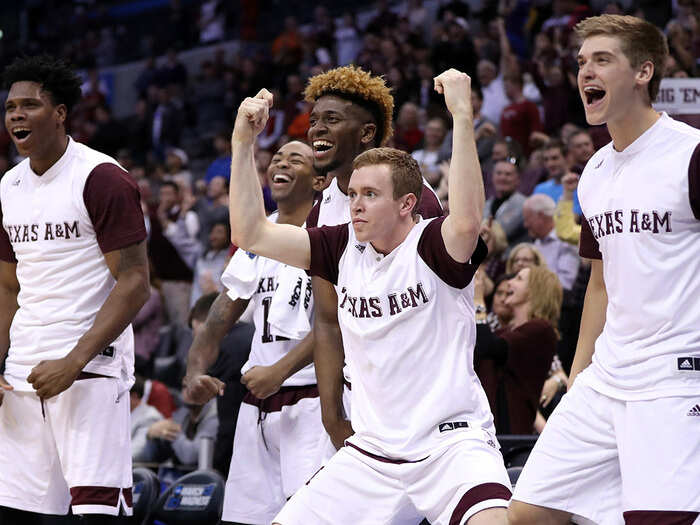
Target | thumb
(4,384)
(265,95)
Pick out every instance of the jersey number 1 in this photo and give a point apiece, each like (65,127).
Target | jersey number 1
(267,337)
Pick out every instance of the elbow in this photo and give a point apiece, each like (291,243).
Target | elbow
(142,290)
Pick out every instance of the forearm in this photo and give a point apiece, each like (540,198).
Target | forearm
(125,300)
(246,206)
(592,321)
(329,358)
(222,316)
(465,183)
(297,358)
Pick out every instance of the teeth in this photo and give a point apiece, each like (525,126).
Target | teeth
(322,143)
(280,177)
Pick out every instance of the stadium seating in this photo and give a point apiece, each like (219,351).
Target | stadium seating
(145,493)
(195,499)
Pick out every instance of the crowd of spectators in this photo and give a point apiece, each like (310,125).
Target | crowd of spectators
(531,136)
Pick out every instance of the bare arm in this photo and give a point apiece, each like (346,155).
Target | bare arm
(9,289)
(250,229)
(223,314)
(460,230)
(329,357)
(129,266)
(592,321)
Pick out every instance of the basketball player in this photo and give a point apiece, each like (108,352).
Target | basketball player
(624,444)
(352,113)
(424,443)
(73,275)
(275,448)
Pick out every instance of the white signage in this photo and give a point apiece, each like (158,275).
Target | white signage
(679,96)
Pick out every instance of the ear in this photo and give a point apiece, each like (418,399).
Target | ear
(61,113)
(408,204)
(369,131)
(645,73)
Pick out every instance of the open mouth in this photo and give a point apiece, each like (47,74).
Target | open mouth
(21,133)
(593,95)
(321,147)
(281,178)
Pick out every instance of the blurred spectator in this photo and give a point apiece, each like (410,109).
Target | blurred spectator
(407,134)
(143,416)
(523,255)
(147,325)
(176,161)
(212,21)
(554,153)
(506,206)
(211,264)
(500,314)
(484,129)
(428,98)
(455,49)
(110,135)
(294,99)
(514,362)
(562,258)
(208,94)
(138,128)
(221,165)
(521,117)
(495,99)
(167,122)
(494,264)
(347,40)
(580,149)
(274,128)
(564,216)
(173,248)
(428,157)
(286,48)
(172,71)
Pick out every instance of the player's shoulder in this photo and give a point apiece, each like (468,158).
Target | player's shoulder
(88,159)
(597,165)
(14,174)
(679,130)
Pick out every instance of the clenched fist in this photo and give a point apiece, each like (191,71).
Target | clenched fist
(252,117)
(457,89)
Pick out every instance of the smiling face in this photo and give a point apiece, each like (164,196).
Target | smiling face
(290,174)
(554,163)
(499,306)
(505,178)
(518,289)
(33,121)
(373,210)
(339,130)
(608,84)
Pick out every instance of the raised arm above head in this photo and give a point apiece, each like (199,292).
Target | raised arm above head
(250,229)
(460,230)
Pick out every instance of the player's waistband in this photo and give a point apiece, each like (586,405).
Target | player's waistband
(382,458)
(287,396)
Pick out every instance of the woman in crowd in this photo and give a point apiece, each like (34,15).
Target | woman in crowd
(514,362)
(524,255)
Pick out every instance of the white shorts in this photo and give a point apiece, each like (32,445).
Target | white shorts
(326,449)
(78,455)
(448,487)
(275,451)
(600,457)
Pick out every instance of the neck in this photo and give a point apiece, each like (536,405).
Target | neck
(295,213)
(342,175)
(396,236)
(41,163)
(630,126)
(521,315)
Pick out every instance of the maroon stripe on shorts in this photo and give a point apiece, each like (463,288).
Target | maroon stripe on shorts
(287,396)
(128,497)
(659,517)
(382,458)
(95,496)
(474,495)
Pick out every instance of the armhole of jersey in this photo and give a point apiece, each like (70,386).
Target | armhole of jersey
(694,182)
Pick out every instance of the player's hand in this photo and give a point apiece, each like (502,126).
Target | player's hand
(50,378)
(549,390)
(252,117)
(165,429)
(457,89)
(262,381)
(4,387)
(339,431)
(199,389)
(569,183)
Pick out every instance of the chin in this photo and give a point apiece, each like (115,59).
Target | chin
(361,236)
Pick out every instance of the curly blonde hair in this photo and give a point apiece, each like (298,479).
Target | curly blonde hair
(357,85)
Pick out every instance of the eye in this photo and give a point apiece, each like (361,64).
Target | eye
(332,120)
(352,194)
(370,193)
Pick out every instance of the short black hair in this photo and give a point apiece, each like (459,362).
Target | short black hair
(171,184)
(201,308)
(54,76)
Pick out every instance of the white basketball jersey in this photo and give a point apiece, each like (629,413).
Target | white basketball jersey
(408,329)
(642,209)
(249,276)
(64,279)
